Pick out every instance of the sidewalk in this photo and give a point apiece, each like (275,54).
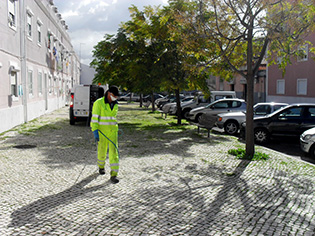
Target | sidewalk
(177,183)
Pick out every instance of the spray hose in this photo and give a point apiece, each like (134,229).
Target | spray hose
(110,141)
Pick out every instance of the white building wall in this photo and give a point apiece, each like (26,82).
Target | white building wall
(51,61)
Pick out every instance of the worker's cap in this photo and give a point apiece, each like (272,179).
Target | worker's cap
(114,90)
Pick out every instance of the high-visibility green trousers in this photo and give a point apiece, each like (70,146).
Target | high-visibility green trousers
(103,145)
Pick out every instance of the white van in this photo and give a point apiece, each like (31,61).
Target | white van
(216,95)
(82,99)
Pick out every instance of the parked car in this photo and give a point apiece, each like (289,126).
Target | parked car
(290,121)
(149,97)
(171,107)
(130,97)
(200,101)
(307,141)
(167,99)
(217,107)
(232,121)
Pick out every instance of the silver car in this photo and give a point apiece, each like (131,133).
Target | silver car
(171,108)
(307,141)
(231,121)
(217,107)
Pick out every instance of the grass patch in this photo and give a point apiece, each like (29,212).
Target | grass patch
(31,128)
(135,118)
(240,153)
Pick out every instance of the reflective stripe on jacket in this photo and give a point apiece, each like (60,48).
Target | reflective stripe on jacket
(103,117)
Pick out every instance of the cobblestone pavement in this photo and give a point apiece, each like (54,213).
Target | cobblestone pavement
(178,183)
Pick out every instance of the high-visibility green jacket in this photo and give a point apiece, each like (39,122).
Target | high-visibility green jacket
(103,117)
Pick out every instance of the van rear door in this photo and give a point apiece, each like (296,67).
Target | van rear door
(81,104)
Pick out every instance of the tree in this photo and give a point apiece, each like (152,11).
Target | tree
(111,58)
(142,30)
(175,58)
(234,36)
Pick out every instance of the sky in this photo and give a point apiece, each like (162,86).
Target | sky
(90,20)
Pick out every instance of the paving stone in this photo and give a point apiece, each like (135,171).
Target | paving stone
(192,187)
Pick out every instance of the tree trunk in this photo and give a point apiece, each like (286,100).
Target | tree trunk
(152,102)
(250,145)
(141,100)
(179,108)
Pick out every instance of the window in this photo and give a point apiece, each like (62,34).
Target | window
(310,113)
(262,110)
(49,40)
(301,87)
(221,85)
(12,13)
(39,32)
(29,25)
(223,104)
(29,16)
(40,83)
(280,86)
(13,82)
(30,82)
(302,53)
(55,86)
(291,113)
(236,104)
(50,90)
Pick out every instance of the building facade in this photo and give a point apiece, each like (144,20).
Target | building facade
(239,84)
(297,84)
(38,65)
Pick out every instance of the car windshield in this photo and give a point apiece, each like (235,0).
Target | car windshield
(262,109)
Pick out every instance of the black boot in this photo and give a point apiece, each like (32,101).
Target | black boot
(101,171)
(114,179)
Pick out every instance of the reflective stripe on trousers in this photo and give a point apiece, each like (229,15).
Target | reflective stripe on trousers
(105,144)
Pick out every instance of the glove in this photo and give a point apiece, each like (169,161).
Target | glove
(96,135)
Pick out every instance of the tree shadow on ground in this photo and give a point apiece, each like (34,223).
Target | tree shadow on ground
(147,140)
(192,199)
(223,203)
(28,214)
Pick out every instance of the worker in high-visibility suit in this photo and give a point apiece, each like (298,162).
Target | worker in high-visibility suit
(104,123)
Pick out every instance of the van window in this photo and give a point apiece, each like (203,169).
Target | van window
(217,97)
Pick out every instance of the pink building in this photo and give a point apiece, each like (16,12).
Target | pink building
(297,85)
(239,85)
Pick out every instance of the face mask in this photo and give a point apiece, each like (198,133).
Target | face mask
(113,98)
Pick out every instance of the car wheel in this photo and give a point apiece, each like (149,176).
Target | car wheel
(185,113)
(72,120)
(312,151)
(231,127)
(261,136)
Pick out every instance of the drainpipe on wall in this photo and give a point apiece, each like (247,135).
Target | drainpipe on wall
(23,58)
